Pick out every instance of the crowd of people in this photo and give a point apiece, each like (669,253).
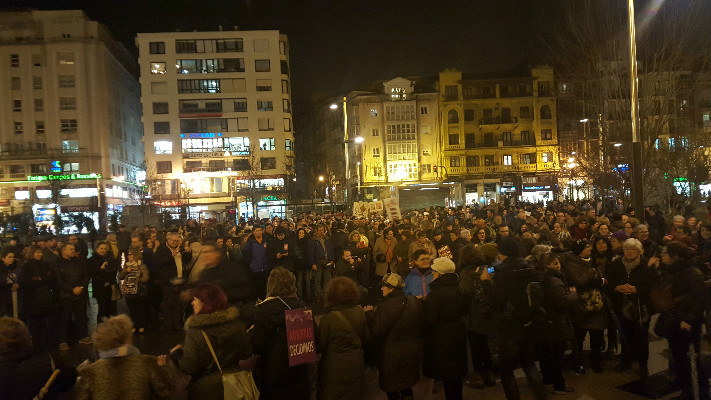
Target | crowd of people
(426,295)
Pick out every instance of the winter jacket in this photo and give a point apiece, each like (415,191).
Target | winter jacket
(256,254)
(558,302)
(340,242)
(445,354)
(401,260)
(229,340)
(382,247)
(232,278)
(9,275)
(342,365)
(135,376)
(286,248)
(641,277)
(396,325)
(165,264)
(40,287)
(584,277)
(123,240)
(139,271)
(102,279)
(320,254)
(688,293)
(23,374)
(417,283)
(480,316)
(509,284)
(71,273)
(276,379)
(345,268)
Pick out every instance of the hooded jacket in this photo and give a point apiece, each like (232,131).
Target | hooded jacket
(417,283)
(229,340)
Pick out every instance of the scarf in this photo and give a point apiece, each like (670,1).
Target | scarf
(630,265)
(122,351)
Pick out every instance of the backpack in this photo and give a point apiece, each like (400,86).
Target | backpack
(661,296)
(525,302)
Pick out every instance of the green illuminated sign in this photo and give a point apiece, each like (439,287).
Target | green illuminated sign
(69,177)
(270,198)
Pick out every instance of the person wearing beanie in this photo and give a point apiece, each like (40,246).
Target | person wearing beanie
(518,338)
(396,323)
(616,241)
(586,278)
(445,356)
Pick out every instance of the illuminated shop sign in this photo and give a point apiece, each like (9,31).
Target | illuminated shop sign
(56,166)
(537,187)
(205,135)
(68,177)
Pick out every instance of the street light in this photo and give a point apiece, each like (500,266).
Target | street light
(359,140)
(333,106)
(320,178)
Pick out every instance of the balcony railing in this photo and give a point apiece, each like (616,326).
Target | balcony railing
(44,153)
(498,120)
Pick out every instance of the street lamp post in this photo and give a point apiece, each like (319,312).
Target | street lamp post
(637,189)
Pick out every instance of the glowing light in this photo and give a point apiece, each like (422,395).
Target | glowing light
(333,106)
(584,120)
(320,178)
(359,139)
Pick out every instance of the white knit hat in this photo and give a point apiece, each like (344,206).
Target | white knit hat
(443,265)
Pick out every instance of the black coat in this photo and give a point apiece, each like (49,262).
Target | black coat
(41,287)
(688,293)
(641,277)
(396,325)
(71,273)
(102,279)
(286,248)
(480,318)
(559,301)
(23,374)
(165,263)
(340,242)
(581,274)
(341,368)
(277,379)
(445,354)
(232,278)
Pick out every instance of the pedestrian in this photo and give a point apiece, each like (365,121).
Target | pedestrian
(122,372)
(215,320)
(277,380)
(171,261)
(123,242)
(41,300)
(9,283)
(396,326)
(322,259)
(257,256)
(445,356)
(72,280)
(135,276)
(384,252)
(102,271)
(342,333)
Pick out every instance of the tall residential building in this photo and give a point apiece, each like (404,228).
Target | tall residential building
(70,127)
(217,112)
(499,134)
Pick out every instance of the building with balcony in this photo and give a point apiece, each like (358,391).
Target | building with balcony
(70,127)
(400,147)
(218,124)
(499,134)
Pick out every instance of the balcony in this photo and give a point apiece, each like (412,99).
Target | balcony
(498,120)
(38,154)
(516,143)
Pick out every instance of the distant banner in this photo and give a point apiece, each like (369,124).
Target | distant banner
(392,207)
(365,208)
(300,336)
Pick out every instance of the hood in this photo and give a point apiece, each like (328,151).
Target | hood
(273,309)
(416,271)
(216,318)
(445,280)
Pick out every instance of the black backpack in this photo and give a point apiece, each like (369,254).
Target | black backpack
(525,299)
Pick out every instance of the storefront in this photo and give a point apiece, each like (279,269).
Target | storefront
(538,193)
(269,206)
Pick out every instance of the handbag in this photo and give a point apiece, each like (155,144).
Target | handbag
(237,385)
(590,301)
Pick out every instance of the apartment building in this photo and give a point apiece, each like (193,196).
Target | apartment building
(499,134)
(70,127)
(218,123)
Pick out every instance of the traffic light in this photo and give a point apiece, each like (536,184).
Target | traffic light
(434,169)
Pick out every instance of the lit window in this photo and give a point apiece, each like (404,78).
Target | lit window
(163,147)
(70,167)
(266,144)
(398,94)
(545,157)
(157,68)
(70,146)
(508,160)
(376,151)
(287,145)
(373,112)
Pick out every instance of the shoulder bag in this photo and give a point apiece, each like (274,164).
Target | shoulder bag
(236,385)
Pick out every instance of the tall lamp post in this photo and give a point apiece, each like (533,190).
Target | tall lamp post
(637,187)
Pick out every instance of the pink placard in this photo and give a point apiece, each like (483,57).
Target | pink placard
(300,336)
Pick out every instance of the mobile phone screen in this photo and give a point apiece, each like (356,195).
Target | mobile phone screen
(490,270)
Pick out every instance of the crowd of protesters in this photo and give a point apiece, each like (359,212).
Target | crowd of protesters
(426,295)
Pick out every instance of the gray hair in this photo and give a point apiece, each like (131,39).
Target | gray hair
(632,244)
(639,227)
(679,218)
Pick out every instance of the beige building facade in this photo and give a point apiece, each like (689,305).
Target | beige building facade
(218,123)
(71,113)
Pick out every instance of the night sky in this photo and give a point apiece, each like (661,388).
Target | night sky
(341,45)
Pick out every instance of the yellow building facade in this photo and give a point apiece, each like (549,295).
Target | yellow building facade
(498,135)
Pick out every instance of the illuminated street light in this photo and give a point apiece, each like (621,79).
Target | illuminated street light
(333,106)
(359,139)
(584,120)
(320,178)
(618,144)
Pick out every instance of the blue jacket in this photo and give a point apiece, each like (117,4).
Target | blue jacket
(417,284)
(256,255)
(316,251)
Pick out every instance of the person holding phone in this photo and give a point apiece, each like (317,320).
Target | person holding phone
(102,270)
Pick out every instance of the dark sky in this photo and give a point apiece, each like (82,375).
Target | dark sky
(339,45)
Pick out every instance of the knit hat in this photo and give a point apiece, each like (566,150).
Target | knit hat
(393,280)
(620,236)
(465,233)
(577,246)
(443,265)
(511,246)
